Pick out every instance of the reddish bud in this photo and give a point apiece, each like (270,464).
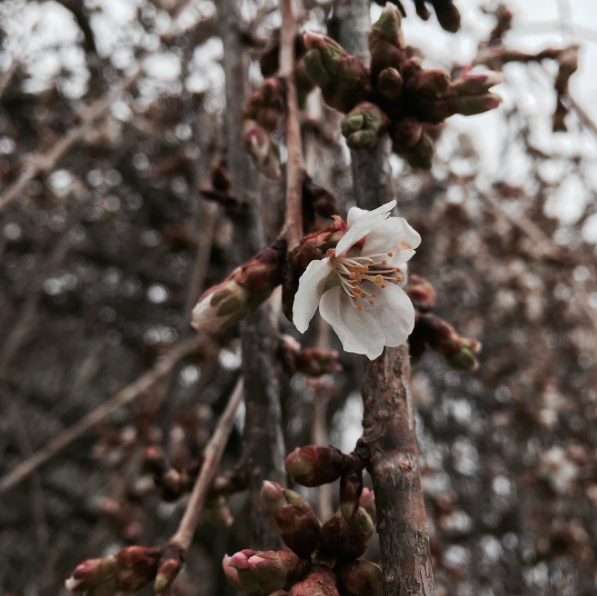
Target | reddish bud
(390,83)
(319,582)
(264,572)
(430,84)
(360,578)
(447,15)
(292,517)
(345,540)
(314,465)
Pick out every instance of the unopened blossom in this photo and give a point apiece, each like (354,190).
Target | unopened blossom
(357,285)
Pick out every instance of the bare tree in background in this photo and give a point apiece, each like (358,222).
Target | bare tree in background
(159,154)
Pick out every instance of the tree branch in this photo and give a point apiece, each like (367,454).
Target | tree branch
(293,223)
(263,439)
(389,439)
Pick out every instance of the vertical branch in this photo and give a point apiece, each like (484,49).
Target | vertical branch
(264,443)
(389,437)
(293,224)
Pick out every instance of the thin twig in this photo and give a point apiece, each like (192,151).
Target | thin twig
(293,224)
(211,458)
(124,397)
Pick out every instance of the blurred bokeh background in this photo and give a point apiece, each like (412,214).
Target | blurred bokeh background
(111,123)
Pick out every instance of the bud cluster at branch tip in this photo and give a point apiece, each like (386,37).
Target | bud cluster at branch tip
(396,94)
(242,292)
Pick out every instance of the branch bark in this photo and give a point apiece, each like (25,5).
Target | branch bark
(389,437)
(263,439)
(293,223)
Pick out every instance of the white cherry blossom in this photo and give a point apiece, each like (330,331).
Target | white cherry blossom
(357,286)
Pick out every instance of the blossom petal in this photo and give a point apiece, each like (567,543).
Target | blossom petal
(393,312)
(309,292)
(353,214)
(357,330)
(392,235)
(362,225)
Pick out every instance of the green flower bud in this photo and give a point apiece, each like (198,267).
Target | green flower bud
(343,79)
(364,126)
(386,44)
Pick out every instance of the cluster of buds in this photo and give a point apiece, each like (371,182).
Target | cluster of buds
(396,95)
(324,557)
(261,116)
(127,571)
(242,292)
(173,484)
(433,332)
(312,362)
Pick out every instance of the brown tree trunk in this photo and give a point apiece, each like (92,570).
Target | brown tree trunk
(388,419)
(264,443)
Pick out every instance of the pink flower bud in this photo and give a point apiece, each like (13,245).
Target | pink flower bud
(264,572)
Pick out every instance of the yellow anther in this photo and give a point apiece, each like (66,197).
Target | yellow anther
(378,280)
